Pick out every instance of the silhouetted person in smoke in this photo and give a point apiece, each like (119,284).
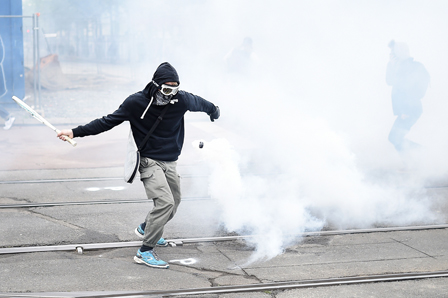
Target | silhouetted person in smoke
(239,60)
(409,80)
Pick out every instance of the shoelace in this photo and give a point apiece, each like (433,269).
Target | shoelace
(156,257)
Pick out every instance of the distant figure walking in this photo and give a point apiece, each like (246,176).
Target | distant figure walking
(239,60)
(409,80)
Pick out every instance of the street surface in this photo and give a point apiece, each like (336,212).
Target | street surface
(30,152)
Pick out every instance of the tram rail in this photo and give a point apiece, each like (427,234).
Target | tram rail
(59,180)
(97,202)
(80,248)
(289,285)
(284,285)
(37,181)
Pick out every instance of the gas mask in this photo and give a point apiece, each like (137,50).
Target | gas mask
(161,100)
(165,94)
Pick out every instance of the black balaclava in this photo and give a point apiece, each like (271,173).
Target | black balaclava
(163,74)
(162,99)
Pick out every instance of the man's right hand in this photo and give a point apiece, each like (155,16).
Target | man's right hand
(215,115)
(65,132)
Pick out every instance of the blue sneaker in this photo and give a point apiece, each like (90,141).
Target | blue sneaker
(162,242)
(151,259)
(141,233)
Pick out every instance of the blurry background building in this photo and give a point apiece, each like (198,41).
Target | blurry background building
(11,51)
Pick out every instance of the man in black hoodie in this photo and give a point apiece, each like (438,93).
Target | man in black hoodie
(159,154)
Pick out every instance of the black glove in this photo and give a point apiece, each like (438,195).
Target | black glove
(215,114)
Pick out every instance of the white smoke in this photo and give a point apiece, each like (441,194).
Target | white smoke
(309,181)
(306,190)
(317,112)
(314,107)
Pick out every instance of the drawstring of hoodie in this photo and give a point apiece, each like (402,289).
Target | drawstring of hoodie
(146,110)
(150,102)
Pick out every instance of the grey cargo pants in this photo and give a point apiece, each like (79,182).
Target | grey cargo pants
(162,185)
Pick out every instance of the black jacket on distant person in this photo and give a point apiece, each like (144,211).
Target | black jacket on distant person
(409,80)
(165,143)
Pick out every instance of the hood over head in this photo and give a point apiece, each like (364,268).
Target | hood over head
(163,74)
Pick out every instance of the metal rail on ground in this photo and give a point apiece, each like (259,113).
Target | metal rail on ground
(249,288)
(80,248)
(287,285)
(76,179)
(59,180)
(54,204)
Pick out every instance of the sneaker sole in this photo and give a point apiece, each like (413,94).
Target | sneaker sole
(140,261)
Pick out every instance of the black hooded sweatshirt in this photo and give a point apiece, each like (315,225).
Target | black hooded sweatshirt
(165,143)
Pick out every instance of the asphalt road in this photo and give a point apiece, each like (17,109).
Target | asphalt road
(32,153)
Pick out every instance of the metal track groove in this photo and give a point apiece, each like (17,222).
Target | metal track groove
(79,179)
(54,204)
(59,180)
(174,242)
(249,288)
(33,205)
(284,285)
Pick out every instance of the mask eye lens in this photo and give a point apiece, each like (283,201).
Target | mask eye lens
(167,90)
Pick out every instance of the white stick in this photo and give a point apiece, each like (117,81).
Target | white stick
(40,118)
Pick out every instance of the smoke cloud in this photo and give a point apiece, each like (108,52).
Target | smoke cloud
(317,111)
(302,86)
